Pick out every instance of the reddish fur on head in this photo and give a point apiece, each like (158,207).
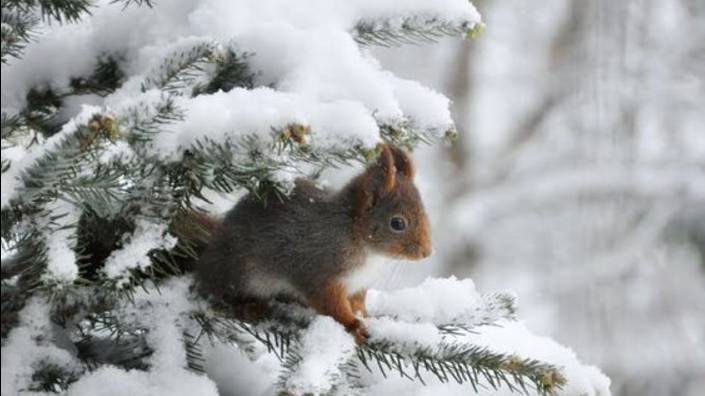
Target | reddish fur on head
(385,193)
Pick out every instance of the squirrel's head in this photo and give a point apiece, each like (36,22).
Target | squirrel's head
(389,213)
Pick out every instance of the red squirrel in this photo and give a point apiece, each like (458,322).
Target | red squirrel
(315,245)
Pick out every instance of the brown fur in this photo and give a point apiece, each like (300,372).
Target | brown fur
(357,302)
(332,300)
(304,246)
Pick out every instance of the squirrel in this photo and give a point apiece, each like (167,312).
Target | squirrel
(315,245)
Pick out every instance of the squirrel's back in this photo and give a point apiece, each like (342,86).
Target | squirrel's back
(279,247)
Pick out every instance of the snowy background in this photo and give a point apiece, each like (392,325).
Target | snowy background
(579,178)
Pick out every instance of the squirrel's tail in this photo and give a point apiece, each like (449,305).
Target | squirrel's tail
(194,230)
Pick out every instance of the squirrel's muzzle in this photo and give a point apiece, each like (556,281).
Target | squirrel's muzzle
(423,238)
(421,247)
(425,251)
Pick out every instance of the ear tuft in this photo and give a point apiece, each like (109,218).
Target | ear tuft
(386,164)
(377,181)
(403,162)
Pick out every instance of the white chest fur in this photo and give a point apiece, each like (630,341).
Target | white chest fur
(373,270)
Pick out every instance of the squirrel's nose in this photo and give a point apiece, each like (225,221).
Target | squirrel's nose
(425,251)
(418,251)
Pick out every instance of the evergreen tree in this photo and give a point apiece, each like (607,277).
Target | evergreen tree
(98,209)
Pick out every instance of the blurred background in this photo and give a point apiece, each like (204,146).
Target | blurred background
(578,178)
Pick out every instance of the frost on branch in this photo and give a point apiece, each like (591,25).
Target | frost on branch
(134,253)
(415,348)
(152,339)
(315,367)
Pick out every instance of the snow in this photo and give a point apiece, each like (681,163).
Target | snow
(162,314)
(321,76)
(9,178)
(60,236)
(257,111)
(515,338)
(112,381)
(236,373)
(148,235)
(404,334)
(436,300)
(114,151)
(407,317)
(408,321)
(427,108)
(23,158)
(27,345)
(324,346)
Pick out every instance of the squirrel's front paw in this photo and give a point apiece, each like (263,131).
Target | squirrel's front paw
(359,331)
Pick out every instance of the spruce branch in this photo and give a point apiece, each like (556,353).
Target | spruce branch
(231,70)
(61,167)
(179,72)
(30,243)
(73,171)
(107,76)
(404,133)
(21,274)
(73,165)
(42,108)
(194,353)
(14,133)
(51,377)
(16,31)
(57,10)
(411,30)
(342,374)
(105,339)
(92,318)
(252,162)
(203,69)
(279,328)
(137,3)
(11,126)
(463,363)
(28,252)
(495,307)
(143,121)
(276,337)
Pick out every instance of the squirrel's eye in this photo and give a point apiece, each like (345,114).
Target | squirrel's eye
(397,223)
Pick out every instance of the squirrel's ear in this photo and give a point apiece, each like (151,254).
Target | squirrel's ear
(386,164)
(403,162)
(379,179)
